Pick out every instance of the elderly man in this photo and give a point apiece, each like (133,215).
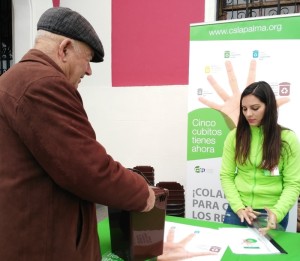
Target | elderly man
(52,169)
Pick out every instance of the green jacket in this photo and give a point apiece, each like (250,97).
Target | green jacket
(248,185)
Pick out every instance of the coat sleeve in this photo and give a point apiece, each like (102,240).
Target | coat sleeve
(51,121)
(291,176)
(228,173)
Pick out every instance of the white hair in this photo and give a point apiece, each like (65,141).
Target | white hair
(55,38)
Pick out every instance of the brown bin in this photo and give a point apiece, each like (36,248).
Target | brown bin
(137,236)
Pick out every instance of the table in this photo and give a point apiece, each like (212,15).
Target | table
(290,242)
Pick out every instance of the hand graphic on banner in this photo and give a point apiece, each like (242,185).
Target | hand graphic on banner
(176,250)
(231,104)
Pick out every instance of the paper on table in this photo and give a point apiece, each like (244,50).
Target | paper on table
(248,241)
(192,240)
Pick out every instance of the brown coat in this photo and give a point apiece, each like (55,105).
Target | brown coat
(52,169)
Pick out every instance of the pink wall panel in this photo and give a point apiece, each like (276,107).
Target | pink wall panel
(150,41)
(56,3)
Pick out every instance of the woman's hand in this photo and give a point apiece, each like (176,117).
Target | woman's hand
(271,222)
(247,214)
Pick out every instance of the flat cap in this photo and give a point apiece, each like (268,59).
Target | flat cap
(66,22)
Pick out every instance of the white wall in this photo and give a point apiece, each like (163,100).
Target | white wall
(137,125)
(210,10)
(25,16)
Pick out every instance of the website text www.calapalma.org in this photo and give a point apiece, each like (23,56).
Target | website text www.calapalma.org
(246,29)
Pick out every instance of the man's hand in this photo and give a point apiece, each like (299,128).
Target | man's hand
(150,200)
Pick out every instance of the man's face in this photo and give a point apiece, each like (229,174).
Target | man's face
(79,63)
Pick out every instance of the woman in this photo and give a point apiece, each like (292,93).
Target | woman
(260,172)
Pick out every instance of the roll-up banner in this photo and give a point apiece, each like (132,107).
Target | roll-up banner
(228,55)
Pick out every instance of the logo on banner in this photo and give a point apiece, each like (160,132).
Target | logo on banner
(255,54)
(231,54)
(199,169)
(261,55)
(284,89)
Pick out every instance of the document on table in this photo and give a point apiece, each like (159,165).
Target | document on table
(187,242)
(248,241)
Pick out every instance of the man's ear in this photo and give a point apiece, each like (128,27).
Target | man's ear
(64,48)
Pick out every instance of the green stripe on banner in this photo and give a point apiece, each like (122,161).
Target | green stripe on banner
(282,27)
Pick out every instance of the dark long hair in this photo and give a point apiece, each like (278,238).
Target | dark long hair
(272,142)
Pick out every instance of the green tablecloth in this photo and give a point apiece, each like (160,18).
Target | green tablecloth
(290,242)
